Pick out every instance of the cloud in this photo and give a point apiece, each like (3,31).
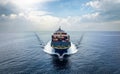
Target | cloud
(20,15)
(4,2)
(104,17)
(8,9)
(104,5)
(14,22)
(108,9)
(23,22)
(91,17)
(27,22)
(38,13)
(44,22)
(17,6)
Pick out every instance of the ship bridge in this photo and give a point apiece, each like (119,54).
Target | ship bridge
(60,35)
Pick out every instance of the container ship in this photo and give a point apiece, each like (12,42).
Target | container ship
(60,42)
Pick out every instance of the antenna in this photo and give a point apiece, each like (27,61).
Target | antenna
(59,27)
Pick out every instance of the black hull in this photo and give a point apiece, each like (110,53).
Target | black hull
(61,51)
(61,47)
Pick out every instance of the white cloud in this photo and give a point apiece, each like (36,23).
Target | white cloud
(38,13)
(3,15)
(13,16)
(105,5)
(29,4)
(27,22)
(94,4)
(24,6)
(21,14)
(4,2)
(24,2)
(93,17)
(108,9)
(42,20)
(23,22)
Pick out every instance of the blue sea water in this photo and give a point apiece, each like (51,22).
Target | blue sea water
(22,53)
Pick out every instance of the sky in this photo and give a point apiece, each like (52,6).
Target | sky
(48,15)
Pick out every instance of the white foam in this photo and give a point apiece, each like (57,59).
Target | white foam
(48,49)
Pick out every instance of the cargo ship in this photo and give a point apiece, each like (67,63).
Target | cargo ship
(60,42)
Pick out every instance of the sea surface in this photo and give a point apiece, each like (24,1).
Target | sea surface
(22,53)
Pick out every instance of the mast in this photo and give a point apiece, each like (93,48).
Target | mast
(59,27)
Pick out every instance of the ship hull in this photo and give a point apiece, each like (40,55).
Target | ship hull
(60,47)
(60,51)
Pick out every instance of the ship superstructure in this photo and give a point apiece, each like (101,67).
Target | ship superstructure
(60,42)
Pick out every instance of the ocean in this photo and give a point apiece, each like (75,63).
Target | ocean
(98,53)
